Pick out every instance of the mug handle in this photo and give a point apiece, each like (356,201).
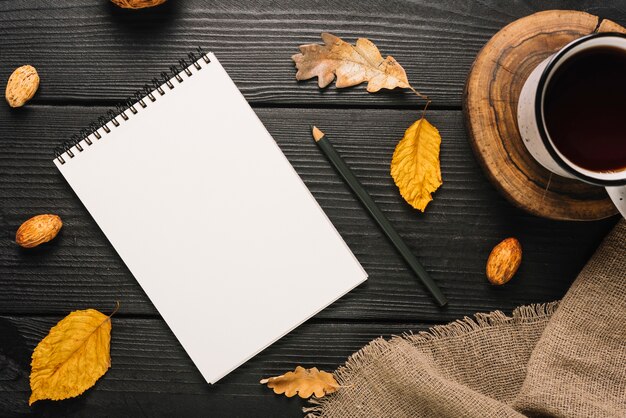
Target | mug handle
(618,196)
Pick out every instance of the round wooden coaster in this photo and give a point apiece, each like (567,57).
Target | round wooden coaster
(490,105)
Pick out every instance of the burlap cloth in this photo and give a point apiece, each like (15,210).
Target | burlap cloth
(544,360)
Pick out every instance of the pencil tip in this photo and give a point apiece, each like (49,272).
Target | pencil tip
(317,134)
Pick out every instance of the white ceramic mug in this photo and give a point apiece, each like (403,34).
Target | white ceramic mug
(531,120)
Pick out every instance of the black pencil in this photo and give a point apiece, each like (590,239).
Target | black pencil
(377,214)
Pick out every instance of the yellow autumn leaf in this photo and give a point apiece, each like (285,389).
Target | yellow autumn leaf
(351,64)
(72,357)
(304,382)
(415,164)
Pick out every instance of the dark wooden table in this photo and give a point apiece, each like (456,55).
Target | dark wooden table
(90,55)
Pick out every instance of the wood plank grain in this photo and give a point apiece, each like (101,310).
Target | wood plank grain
(89,50)
(452,239)
(151,375)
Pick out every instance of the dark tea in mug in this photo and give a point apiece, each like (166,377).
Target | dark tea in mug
(584,109)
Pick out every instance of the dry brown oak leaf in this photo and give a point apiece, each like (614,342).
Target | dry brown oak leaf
(137,4)
(351,64)
(304,382)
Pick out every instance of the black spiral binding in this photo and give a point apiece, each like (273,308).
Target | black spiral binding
(132,105)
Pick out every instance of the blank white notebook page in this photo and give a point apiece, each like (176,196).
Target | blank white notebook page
(212,220)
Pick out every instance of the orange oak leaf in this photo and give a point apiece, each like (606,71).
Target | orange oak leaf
(304,382)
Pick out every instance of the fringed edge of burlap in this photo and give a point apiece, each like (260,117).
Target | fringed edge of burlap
(461,327)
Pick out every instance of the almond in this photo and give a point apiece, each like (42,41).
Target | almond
(37,230)
(22,86)
(504,261)
(137,4)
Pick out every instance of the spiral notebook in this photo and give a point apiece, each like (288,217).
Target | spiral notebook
(209,216)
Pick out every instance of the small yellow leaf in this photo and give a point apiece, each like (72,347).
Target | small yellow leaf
(351,65)
(415,164)
(72,357)
(304,382)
